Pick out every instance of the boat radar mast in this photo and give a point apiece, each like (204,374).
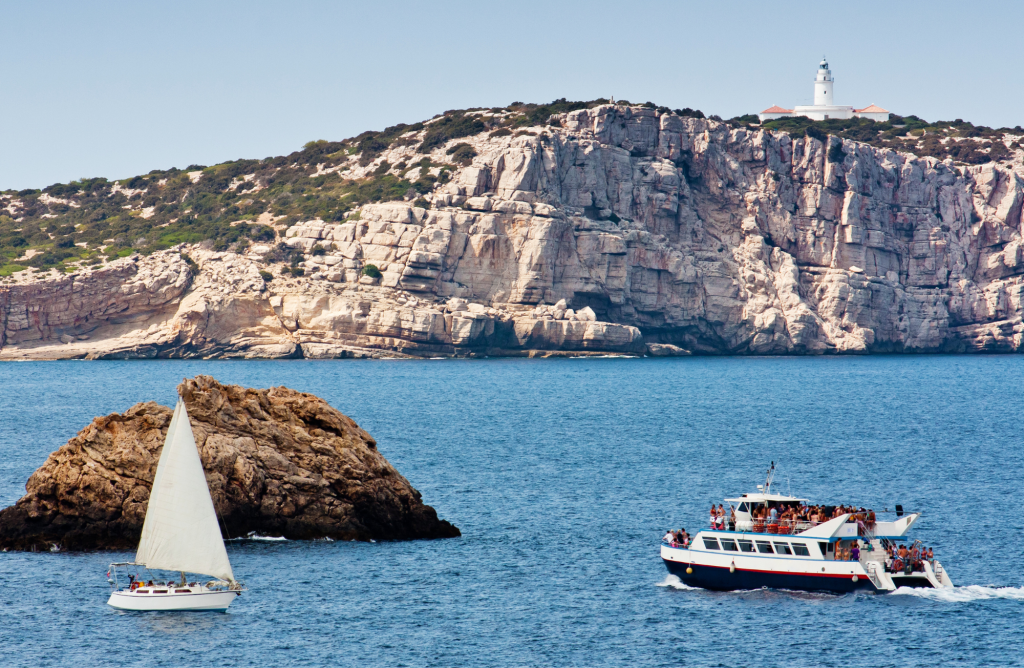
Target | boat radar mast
(768,479)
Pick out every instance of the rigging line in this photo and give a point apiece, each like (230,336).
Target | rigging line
(219,517)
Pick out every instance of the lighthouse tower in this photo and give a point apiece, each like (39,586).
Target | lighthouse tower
(823,85)
(824,108)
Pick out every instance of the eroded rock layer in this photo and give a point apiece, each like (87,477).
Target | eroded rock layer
(278,462)
(614,229)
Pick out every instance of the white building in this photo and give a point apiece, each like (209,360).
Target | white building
(823,107)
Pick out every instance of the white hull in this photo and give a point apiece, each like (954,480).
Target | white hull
(194,600)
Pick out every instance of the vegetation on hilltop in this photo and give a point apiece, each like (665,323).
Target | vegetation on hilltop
(961,141)
(239,202)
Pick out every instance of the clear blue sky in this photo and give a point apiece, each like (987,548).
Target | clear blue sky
(117,89)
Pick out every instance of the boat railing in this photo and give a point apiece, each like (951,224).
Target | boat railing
(782,527)
(676,544)
(865,529)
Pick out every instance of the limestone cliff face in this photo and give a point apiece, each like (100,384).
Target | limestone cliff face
(617,229)
(278,462)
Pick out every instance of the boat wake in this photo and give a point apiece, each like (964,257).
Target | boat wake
(964,594)
(674,582)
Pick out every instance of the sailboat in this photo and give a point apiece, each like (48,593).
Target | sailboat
(180,533)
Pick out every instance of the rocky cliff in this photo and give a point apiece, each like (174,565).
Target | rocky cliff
(608,229)
(278,462)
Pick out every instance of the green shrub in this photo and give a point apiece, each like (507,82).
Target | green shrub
(462,154)
(421,202)
(816,133)
(453,126)
(319,250)
(192,266)
(372,271)
(425,183)
(836,152)
(689,113)
(16,241)
(266,276)
(501,132)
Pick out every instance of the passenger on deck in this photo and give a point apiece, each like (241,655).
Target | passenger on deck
(773,515)
(720,518)
(732,518)
(931,556)
(903,560)
(915,558)
(669,537)
(855,551)
(714,517)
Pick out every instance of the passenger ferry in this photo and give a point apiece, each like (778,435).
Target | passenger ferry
(756,553)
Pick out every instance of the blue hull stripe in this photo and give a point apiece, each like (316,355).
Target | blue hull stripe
(719,578)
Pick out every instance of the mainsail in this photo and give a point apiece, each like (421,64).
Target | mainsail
(181,532)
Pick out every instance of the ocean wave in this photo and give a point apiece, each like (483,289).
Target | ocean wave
(674,582)
(255,536)
(964,594)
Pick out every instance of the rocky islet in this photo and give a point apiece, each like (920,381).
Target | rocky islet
(278,462)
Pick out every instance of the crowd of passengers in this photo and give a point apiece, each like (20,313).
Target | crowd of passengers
(903,560)
(134,584)
(789,516)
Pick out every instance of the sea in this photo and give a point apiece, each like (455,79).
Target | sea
(563,474)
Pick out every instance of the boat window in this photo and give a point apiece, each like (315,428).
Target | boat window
(710,544)
(782,548)
(141,591)
(800,549)
(765,547)
(729,545)
(159,591)
(742,508)
(182,591)
(824,547)
(746,546)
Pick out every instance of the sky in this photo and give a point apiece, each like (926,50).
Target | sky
(116,89)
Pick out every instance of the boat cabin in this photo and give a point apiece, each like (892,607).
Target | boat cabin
(746,504)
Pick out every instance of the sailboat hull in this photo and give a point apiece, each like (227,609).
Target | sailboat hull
(214,601)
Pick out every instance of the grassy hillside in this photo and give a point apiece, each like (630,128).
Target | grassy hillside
(229,205)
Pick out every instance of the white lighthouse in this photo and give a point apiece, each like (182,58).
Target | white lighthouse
(823,85)
(824,108)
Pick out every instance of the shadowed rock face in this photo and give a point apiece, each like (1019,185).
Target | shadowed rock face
(278,462)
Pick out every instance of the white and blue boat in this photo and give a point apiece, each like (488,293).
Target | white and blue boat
(755,553)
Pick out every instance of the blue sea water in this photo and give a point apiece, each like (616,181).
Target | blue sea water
(563,475)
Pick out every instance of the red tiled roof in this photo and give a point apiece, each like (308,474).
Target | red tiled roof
(776,109)
(872,109)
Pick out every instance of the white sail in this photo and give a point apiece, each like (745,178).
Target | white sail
(181,532)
